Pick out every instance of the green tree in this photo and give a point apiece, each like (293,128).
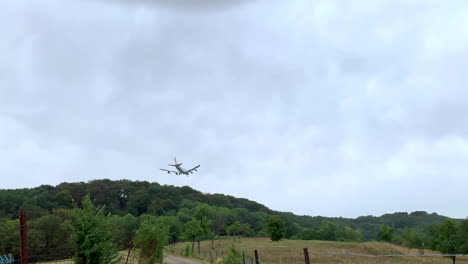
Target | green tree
(151,238)
(92,235)
(276,228)
(9,234)
(193,231)
(174,225)
(309,234)
(125,229)
(329,230)
(385,233)
(63,199)
(234,229)
(49,235)
(411,237)
(202,215)
(447,238)
(464,236)
(219,216)
(233,257)
(351,234)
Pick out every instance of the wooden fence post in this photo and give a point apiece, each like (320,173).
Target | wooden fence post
(306,256)
(128,255)
(256,257)
(243,257)
(24,238)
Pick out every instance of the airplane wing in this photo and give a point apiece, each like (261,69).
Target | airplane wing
(194,168)
(169,171)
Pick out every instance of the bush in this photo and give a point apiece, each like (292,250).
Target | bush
(233,257)
(187,250)
(276,228)
(151,238)
(92,235)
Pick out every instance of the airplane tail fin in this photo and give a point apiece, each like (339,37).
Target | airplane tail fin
(175,163)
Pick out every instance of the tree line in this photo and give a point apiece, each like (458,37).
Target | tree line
(189,215)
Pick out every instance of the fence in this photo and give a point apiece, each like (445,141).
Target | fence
(29,248)
(288,256)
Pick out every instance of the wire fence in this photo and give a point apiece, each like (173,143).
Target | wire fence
(270,256)
(31,248)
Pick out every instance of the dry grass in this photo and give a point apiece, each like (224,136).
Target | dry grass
(291,251)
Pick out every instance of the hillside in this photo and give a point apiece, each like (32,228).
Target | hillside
(140,197)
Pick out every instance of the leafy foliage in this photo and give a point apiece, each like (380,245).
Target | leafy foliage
(9,233)
(233,257)
(151,238)
(385,233)
(49,236)
(193,231)
(130,202)
(92,235)
(276,228)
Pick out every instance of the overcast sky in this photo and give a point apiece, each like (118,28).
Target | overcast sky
(317,107)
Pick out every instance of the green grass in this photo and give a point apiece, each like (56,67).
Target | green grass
(291,251)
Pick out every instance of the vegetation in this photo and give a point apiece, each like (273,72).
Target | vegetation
(92,235)
(151,238)
(276,228)
(385,233)
(449,238)
(149,216)
(291,251)
(233,257)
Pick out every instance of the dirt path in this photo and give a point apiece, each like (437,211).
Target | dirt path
(168,259)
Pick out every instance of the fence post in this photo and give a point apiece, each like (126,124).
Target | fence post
(243,257)
(256,257)
(306,256)
(24,238)
(128,255)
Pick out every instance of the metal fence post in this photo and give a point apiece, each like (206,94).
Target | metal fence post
(306,256)
(24,238)
(256,257)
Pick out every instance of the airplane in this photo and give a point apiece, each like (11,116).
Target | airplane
(181,170)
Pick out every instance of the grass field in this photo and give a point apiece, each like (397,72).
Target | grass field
(291,251)
(133,259)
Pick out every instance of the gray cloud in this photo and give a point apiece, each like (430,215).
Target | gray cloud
(185,5)
(349,109)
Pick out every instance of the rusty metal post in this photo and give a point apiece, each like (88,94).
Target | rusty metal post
(128,255)
(24,238)
(256,257)
(306,256)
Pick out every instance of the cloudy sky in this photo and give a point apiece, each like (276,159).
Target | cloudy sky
(317,107)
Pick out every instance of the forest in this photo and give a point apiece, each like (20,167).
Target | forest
(191,215)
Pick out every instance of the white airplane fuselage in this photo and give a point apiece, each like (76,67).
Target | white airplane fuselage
(180,170)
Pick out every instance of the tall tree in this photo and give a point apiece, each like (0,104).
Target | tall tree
(49,238)
(202,215)
(151,238)
(447,238)
(193,231)
(276,228)
(125,229)
(385,233)
(92,235)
